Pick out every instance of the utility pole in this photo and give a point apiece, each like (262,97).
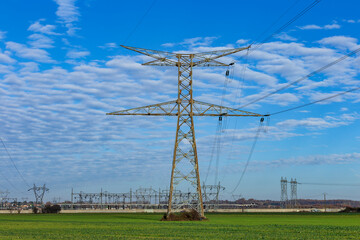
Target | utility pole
(324,202)
(185,166)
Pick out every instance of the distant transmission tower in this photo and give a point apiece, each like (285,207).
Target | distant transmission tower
(293,186)
(211,194)
(284,194)
(185,167)
(39,193)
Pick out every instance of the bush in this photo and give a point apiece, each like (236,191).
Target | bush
(51,208)
(350,210)
(35,210)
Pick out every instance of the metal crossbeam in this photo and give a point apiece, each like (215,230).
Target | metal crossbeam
(204,59)
(199,109)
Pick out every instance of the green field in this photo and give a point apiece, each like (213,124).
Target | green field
(148,226)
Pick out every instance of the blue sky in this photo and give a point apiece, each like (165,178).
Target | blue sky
(61,70)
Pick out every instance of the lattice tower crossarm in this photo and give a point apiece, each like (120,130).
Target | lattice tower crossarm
(185,166)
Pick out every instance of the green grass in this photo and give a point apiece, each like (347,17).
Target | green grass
(148,226)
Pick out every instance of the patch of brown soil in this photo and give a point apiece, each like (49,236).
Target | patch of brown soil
(187,215)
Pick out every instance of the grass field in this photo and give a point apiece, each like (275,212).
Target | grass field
(148,226)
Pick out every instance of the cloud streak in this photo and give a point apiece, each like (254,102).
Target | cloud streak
(68,14)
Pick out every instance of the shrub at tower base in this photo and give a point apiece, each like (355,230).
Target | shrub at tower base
(187,215)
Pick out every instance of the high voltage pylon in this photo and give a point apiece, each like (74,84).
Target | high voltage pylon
(284,195)
(293,186)
(185,167)
(39,193)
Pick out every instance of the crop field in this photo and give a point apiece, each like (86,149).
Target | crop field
(148,226)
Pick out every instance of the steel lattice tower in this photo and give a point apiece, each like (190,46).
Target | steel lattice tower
(185,167)
(39,193)
(284,193)
(293,186)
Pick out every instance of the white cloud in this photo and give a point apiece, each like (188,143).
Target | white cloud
(29,67)
(332,159)
(341,42)
(334,25)
(168,45)
(256,76)
(23,51)
(2,35)
(199,41)
(5,58)
(283,99)
(68,14)
(193,42)
(242,41)
(285,37)
(310,27)
(320,123)
(77,54)
(45,29)
(350,21)
(109,46)
(40,41)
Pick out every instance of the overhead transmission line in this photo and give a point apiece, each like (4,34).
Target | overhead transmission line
(296,17)
(303,78)
(300,14)
(13,163)
(283,27)
(276,21)
(331,184)
(317,101)
(290,109)
(9,182)
(292,20)
(220,128)
(140,21)
(250,153)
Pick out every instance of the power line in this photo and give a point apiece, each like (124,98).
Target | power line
(9,182)
(332,184)
(216,139)
(317,101)
(300,14)
(303,78)
(219,129)
(13,163)
(250,154)
(140,21)
(276,21)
